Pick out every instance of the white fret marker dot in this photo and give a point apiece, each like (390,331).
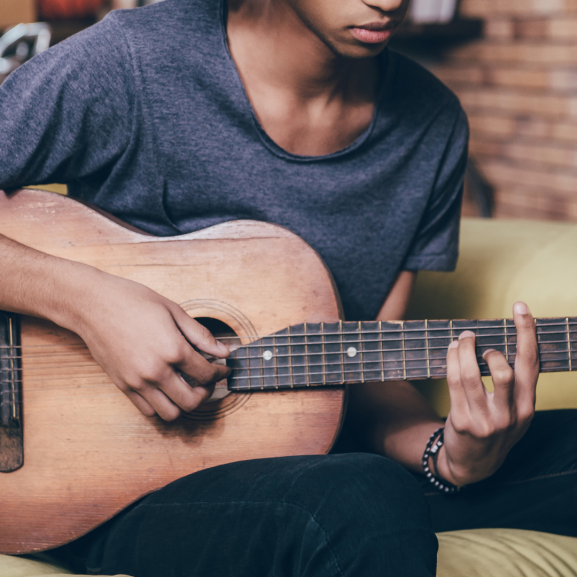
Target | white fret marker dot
(352,352)
(267,355)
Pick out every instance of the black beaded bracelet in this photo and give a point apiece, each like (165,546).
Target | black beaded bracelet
(431,452)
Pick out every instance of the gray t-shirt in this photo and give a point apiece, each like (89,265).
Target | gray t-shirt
(145,115)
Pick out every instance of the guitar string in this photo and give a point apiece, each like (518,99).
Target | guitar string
(315,354)
(110,383)
(392,377)
(291,338)
(102,374)
(279,345)
(357,372)
(425,365)
(263,386)
(378,351)
(510,328)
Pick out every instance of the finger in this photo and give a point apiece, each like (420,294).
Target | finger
(457,395)
(470,373)
(202,371)
(503,379)
(199,335)
(527,359)
(185,393)
(160,403)
(140,403)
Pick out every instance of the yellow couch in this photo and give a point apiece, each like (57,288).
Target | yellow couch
(501,262)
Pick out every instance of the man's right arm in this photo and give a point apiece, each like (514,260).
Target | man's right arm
(68,115)
(141,339)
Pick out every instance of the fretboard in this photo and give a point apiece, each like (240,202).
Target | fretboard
(324,354)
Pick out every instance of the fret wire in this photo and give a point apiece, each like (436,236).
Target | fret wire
(361,357)
(274,348)
(569,345)
(12,376)
(404,355)
(290,350)
(506,340)
(249,373)
(342,354)
(323,349)
(306,355)
(427,347)
(382,358)
(262,383)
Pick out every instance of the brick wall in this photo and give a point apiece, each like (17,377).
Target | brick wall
(519,88)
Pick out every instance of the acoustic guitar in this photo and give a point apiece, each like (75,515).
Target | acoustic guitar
(74,451)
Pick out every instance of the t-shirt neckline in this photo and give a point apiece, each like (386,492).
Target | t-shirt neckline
(265,138)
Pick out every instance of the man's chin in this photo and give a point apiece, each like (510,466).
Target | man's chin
(358,50)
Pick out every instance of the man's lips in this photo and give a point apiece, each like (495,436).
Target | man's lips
(373,33)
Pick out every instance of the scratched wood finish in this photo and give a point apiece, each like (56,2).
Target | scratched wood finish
(88,452)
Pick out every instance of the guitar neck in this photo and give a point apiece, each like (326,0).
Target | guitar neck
(321,354)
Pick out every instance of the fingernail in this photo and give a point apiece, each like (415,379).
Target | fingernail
(467,335)
(454,345)
(488,351)
(521,308)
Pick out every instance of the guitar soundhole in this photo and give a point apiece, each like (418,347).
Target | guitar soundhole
(222,401)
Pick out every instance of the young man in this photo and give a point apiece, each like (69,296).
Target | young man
(190,113)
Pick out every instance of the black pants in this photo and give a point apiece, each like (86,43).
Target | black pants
(350,514)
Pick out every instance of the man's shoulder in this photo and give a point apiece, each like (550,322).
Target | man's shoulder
(170,20)
(419,89)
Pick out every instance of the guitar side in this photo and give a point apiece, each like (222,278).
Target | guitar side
(88,453)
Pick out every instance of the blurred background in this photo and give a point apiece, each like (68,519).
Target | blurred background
(513,64)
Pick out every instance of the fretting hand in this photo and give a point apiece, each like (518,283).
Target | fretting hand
(482,427)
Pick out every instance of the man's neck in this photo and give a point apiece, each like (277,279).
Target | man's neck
(290,73)
(284,51)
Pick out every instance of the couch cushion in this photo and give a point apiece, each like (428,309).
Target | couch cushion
(30,567)
(474,553)
(27,567)
(506,553)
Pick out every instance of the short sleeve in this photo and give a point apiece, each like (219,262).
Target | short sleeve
(436,244)
(68,113)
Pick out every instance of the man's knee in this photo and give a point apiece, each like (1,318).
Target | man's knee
(365,487)
(364,510)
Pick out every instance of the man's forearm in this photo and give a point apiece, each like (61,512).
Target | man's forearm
(391,419)
(37,284)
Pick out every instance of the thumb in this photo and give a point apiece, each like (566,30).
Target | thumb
(198,335)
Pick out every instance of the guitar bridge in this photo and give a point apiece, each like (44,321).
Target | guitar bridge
(11,425)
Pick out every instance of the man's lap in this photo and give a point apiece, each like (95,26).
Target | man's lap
(308,512)
(350,514)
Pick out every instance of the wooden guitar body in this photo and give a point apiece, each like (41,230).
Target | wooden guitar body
(88,452)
